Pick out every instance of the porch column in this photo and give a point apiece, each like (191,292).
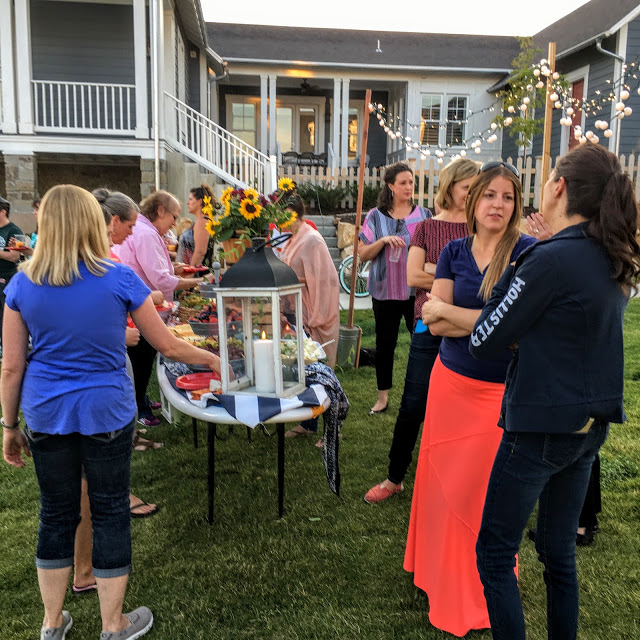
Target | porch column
(412,115)
(8,116)
(140,66)
(344,147)
(336,124)
(204,83)
(272,116)
(23,53)
(264,124)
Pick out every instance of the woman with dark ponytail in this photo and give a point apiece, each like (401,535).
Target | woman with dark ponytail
(194,243)
(560,308)
(385,238)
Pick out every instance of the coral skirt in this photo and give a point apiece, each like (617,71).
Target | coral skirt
(460,439)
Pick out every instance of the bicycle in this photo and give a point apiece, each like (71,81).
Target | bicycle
(345,272)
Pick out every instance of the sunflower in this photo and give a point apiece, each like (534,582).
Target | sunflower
(226,195)
(250,209)
(290,221)
(286,184)
(252,194)
(207,209)
(227,209)
(210,227)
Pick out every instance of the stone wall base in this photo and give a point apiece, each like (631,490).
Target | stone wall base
(148,176)
(20,185)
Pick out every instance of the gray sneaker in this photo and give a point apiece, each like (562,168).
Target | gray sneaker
(57,633)
(141,621)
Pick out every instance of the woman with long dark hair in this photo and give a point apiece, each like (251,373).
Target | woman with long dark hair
(385,237)
(460,437)
(194,243)
(560,308)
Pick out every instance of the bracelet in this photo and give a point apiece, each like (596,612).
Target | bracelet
(10,427)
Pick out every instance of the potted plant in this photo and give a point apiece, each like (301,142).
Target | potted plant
(244,214)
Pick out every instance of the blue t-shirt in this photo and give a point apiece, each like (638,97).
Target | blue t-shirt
(76,379)
(456,262)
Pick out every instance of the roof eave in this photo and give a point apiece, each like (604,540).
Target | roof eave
(317,63)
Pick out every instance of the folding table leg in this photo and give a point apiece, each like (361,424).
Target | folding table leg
(211,482)
(194,422)
(280,429)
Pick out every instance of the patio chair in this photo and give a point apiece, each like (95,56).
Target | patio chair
(291,157)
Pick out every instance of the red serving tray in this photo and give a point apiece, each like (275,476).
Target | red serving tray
(195,381)
(189,269)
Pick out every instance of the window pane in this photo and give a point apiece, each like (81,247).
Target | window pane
(430,119)
(243,122)
(307,129)
(284,128)
(352,129)
(456,116)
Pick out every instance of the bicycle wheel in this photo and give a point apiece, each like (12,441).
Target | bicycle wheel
(345,275)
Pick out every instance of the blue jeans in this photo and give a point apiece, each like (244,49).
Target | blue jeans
(553,469)
(422,354)
(59,460)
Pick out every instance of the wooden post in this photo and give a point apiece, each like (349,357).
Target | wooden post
(363,160)
(548,110)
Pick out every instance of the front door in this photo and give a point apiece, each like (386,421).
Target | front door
(297,128)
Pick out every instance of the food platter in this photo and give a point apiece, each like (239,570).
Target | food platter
(195,381)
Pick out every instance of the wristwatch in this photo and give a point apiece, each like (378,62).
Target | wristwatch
(11,427)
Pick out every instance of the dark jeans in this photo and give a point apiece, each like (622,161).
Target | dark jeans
(142,357)
(593,500)
(422,354)
(554,469)
(59,461)
(388,314)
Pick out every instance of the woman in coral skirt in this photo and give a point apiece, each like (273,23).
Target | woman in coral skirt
(460,436)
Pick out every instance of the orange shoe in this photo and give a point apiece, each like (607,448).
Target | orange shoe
(380,493)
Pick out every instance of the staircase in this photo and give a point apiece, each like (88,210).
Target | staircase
(216,149)
(328,230)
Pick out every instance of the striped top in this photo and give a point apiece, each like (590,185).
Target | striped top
(432,236)
(388,280)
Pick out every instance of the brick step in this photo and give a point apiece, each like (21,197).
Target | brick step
(332,243)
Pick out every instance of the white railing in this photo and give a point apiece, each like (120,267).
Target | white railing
(84,107)
(216,149)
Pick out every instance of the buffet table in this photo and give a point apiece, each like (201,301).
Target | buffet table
(215,415)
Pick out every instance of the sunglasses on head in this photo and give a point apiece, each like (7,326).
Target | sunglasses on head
(496,163)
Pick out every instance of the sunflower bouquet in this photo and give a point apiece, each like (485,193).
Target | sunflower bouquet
(245,213)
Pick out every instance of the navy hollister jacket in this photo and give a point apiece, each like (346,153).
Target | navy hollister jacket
(562,309)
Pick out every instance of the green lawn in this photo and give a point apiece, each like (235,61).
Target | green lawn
(332,567)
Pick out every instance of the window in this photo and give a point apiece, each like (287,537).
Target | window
(352,132)
(456,116)
(440,127)
(243,122)
(430,120)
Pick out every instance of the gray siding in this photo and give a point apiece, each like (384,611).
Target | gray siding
(509,146)
(630,131)
(193,67)
(84,43)
(79,42)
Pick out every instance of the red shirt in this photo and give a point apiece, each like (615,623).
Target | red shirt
(432,236)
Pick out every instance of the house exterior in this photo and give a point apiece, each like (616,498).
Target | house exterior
(78,96)
(594,43)
(301,91)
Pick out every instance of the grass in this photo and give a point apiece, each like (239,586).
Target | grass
(332,567)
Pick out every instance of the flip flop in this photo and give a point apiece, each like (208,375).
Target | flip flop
(88,589)
(142,444)
(298,431)
(142,503)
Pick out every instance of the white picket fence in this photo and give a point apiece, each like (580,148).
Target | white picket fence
(426,172)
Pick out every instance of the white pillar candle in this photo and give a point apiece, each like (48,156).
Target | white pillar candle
(264,365)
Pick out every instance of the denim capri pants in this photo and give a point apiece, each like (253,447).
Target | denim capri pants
(59,460)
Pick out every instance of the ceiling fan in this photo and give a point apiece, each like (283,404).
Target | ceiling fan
(305,87)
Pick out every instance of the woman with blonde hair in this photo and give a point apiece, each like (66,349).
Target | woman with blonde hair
(77,399)
(429,238)
(460,437)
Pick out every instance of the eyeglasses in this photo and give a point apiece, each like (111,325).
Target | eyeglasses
(496,163)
